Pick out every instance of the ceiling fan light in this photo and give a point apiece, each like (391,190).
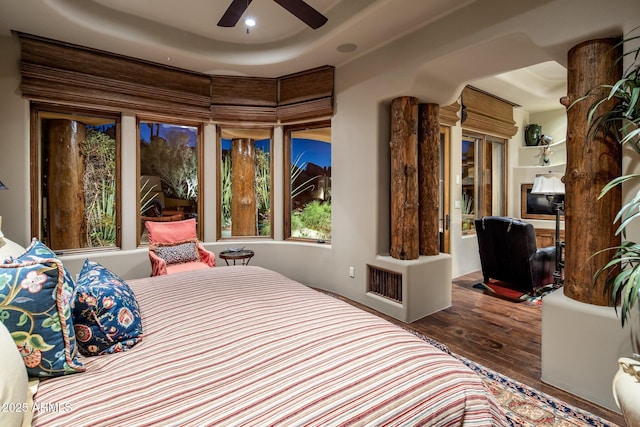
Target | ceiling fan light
(250,22)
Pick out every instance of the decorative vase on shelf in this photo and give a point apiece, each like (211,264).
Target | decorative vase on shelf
(626,390)
(532,134)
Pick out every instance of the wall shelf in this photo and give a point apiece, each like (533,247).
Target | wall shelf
(530,155)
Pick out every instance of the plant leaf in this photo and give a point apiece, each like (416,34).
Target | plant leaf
(23,319)
(39,343)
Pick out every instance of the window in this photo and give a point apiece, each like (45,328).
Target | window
(168,172)
(483,178)
(76,202)
(244,182)
(308,182)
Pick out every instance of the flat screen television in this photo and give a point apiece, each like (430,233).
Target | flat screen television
(537,206)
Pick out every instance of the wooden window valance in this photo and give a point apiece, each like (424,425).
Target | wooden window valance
(485,113)
(54,71)
(449,114)
(60,72)
(306,94)
(299,96)
(250,99)
(488,114)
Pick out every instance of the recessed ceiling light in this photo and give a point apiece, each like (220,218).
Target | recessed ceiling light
(250,22)
(347,47)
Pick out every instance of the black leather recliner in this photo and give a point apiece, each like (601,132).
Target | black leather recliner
(509,253)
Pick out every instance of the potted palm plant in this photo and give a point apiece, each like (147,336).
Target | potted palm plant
(623,269)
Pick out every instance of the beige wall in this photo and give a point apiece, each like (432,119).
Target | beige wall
(14,160)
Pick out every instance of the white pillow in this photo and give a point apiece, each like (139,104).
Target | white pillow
(7,247)
(14,382)
(10,248)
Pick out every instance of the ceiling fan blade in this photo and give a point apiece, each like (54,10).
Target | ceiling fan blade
(233,13)
(304,12)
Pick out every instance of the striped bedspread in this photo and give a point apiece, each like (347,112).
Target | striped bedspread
(245,346)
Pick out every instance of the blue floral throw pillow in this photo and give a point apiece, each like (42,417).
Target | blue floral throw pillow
(106,316)
(34,306)
(38,250)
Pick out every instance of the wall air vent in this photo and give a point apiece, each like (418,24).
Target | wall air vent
(385,283)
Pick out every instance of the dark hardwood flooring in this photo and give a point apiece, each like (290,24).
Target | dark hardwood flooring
(499,334)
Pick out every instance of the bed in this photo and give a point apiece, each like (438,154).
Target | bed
(246,346)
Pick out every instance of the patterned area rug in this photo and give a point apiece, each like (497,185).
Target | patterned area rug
(524,405)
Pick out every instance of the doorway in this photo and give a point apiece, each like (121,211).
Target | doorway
(445,169)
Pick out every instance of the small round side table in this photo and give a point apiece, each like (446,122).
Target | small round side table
(244,256)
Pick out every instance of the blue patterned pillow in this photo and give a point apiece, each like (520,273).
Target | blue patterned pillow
(37,251)
(179,252)
(106,316)
(34,306)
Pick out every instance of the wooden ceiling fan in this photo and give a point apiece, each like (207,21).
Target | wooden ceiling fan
(298,8)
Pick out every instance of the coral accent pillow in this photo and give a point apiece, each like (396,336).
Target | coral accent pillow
(35,297)
(171,231)
(105,311)
(177,253)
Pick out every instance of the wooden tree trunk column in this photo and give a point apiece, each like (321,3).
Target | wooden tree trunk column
(429,178)
(243,191)
(593,159)
(65,189)
(404,178)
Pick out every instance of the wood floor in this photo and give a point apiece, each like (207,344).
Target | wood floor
(501,335)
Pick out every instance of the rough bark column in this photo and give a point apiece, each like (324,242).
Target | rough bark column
(404,178)
(593,159)
(243,199)
(65,189)
(429,178)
